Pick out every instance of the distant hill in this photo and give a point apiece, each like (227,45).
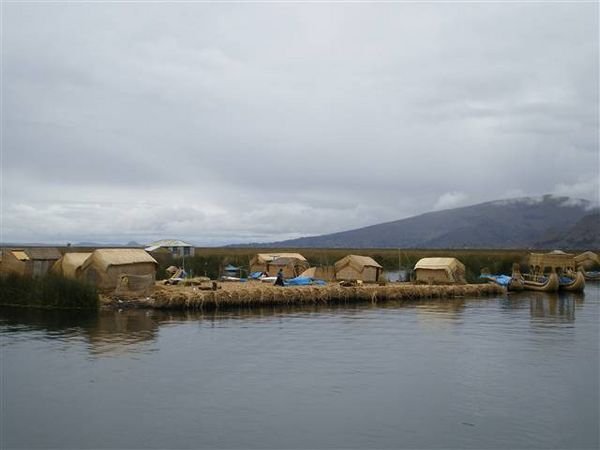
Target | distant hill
(528,222)
(585,234)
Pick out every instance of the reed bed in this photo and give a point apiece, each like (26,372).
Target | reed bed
(176,297)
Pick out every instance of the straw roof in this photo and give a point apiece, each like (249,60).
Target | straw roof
(106,257)
(439,264)
(587,256)
(269,257)
(43,253)
(357,262)
(69,263)
(20,255)
(310,272)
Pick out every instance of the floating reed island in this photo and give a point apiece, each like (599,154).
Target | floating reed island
(235,295)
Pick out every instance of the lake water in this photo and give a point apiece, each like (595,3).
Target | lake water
(520,371)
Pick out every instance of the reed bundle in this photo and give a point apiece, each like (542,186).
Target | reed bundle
(176,297)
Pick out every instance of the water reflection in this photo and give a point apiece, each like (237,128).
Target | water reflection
(106,332)
(552,309)
(546,307)
(125,331)
(462,373)
(115,332)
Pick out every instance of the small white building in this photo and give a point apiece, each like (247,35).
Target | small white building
(173,246)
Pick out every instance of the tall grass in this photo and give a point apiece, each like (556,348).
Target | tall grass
(49,291)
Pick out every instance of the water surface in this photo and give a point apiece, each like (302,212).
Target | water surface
(510,372)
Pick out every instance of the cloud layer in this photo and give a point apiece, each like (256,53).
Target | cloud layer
(222,123)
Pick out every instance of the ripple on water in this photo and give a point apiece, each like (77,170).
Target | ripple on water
(517,372)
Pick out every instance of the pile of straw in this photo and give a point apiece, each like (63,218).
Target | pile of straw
(177,297)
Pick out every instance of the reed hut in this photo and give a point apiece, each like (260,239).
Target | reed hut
(440,271)
(356,267)
(32,262)
(69,263)
(109,269)
(587,260)
(292,264)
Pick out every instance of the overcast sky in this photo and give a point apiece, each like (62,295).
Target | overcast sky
(222,123)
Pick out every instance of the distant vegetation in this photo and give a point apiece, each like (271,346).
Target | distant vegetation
(211,261)
(50,291)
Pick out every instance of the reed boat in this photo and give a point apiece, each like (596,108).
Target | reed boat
(548,283)
(547,269)
(574,282)
(591,276)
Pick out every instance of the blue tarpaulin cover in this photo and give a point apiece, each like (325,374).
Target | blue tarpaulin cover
(303,281)
(502,280)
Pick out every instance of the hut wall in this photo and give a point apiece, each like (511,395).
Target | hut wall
(135,284)
(326,273)
(289,271)
(109,280)
(348,273)
(432,276)
(10,264)
(258,267)
(40,267)
(114,272)
(370,274)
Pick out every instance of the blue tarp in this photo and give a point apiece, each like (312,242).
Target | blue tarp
(231,268)
(303,281)
(502,280)
(255,275)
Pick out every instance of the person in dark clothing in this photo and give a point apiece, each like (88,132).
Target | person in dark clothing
(279,280)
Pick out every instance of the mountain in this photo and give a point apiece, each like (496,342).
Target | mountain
(585,234)
(528,222)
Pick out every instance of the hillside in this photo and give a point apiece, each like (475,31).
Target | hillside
(540,222)
(585,234)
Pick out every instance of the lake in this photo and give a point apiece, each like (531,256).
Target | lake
(519,371)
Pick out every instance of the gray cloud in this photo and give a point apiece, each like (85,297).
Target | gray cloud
(233,122)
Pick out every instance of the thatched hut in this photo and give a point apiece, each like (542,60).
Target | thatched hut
(292,264)
(68,264)
(109,269)
(439,271)
(33,262)
(587,260)
(356,267)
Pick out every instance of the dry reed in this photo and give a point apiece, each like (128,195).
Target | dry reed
(255,295)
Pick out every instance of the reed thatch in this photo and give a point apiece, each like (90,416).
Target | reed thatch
(587,260)
(29,261)
(104,267)
(440,270)
(356,267)
(68,264)
(175,297)
(292,264)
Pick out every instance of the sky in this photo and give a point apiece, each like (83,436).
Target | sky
(222,123)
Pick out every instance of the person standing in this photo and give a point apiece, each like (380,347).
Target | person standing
(279,280)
